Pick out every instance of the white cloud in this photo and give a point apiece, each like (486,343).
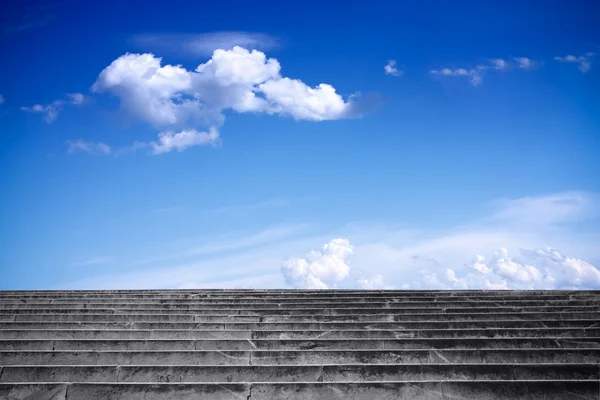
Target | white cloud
(391,68)
(475,75)
(319,269)
(499,64)
(205,43)
(546,210)
(51,111)
(584,61)
(407,258)
(535,269)
(237,79)
(525,63)
(169,141)
(88,147)
(76,98)
(376,282)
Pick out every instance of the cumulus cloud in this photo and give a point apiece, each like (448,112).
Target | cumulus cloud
(204,44)
(320,269)
(80,145)
(541,268)
(50,111)
(584,61)
(474,75)
(169,141)
(236,79)
(391,68)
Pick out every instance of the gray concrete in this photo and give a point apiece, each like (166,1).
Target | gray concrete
(337,344)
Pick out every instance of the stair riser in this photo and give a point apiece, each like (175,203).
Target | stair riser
(398,325)
(327,373)
(376,332)
(320,344)
(309,391)
(260,357)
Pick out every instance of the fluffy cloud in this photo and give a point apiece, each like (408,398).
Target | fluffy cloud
(475,75)
(542,268)
(391,68)
(169,141)
(51,111)
(81,145)
(584,61)
(236,79)
(320,269)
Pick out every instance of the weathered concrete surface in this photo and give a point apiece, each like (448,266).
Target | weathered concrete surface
(246,344)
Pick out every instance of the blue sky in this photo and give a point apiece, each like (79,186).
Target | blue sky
(454,131)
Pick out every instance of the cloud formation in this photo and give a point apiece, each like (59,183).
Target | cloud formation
(319,269)
(204,44)
(475,75)
(50,111)
(169,141)
(584,61)
(525,63)
(80,145)
(391,68)
(238,79)
(541,268)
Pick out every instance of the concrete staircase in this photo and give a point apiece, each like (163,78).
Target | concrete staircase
(291,344)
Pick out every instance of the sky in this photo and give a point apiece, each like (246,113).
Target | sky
(387,145)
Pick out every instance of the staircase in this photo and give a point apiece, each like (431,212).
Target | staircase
(296,344)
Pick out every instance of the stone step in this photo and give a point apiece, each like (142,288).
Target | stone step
(376,331)
(342,323)
(305,305)
(302,292)
(324,315)
(149,299)
(417,390)
(299,373)
(304,311)
(301,357)
(300,344)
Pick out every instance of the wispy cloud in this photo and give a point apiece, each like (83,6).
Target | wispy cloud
(233,244)
(26,17)
(391,68)
(525,63)
(499,64)
(203,44)
(584,61)
(80,145)
(474,75)
(170,141)
(50,111)
(94,261)
(238,210)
